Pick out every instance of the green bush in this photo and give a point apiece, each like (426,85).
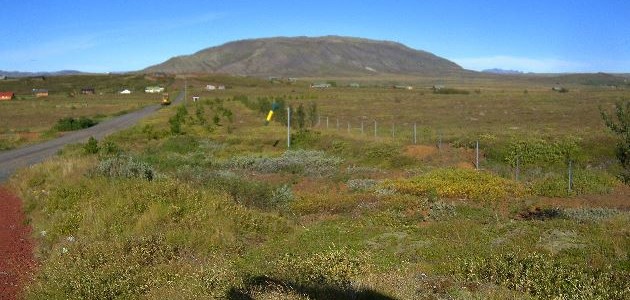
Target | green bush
(313,163)
(546,277)
(71,124)
(584,182)
(541,152)
(125,167)
(450,91)
(458,183)
(91,147)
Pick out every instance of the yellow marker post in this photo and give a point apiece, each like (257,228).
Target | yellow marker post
(269,115)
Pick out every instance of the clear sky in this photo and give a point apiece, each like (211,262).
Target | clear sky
(127,35)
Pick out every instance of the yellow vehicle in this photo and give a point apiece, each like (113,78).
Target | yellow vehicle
(165,99)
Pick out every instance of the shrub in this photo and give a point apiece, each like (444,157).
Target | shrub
(331,268)
(621,127)
(450,91)
(361,184)
(125,167)
(542,152)
(91,147)
(459,183)
(546,277)
(71,124)
(584,182)
(312,163)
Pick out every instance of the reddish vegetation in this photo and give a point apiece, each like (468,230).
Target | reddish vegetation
(16,247)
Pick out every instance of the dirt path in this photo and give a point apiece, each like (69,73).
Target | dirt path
(16,247)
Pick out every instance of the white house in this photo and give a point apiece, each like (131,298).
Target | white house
(125,92)
(210,87)
(222,87)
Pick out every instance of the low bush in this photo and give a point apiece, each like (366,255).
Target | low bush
(459,183)
(323,203)
(337,268)
(361,184)
(584,182)
(125,167)
(312,163)
(450,91)
(546,277)
(71,124)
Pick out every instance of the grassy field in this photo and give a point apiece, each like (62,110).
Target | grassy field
(28,119)
(204,200)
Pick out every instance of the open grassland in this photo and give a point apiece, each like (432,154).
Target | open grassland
(204,201)
(27,119)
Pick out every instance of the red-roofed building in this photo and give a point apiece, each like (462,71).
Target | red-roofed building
(7,95)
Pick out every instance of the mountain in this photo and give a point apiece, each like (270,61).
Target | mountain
(30,74)
(309,56)
(502,71)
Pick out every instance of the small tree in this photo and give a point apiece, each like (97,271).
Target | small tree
(619,123)
(92,146)
(300,117)
(312,114)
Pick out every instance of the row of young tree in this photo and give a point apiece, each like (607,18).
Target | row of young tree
(302,116)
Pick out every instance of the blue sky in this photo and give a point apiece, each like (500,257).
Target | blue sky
(117,35)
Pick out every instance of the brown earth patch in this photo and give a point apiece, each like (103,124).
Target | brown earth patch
(16,247)
(421,152)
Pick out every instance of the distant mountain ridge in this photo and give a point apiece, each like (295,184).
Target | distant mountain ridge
(309,56)
(502,71)
(30,74)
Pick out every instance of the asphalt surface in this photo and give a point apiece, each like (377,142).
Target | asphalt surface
(14,159)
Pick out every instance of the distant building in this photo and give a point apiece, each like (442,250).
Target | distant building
(3,77)
(195,98)
(40,92)
(88,91)
(7,95)
(354,85)
(125,92)
(221,87)
(153,89)
(210,87)
(320,85)
(292,79)
(403,87)
(437,87)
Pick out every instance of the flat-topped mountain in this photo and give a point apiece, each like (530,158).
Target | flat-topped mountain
(309,56)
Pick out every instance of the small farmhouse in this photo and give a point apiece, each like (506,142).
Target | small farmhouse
(221,87)
(320,85)
(7,95)
(40,92)
(3,77)
(87,91)
(125,92)
(154,89)
(210,87)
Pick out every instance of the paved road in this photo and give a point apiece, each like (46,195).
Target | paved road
(14,159)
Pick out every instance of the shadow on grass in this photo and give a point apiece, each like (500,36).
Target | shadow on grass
(263,283)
